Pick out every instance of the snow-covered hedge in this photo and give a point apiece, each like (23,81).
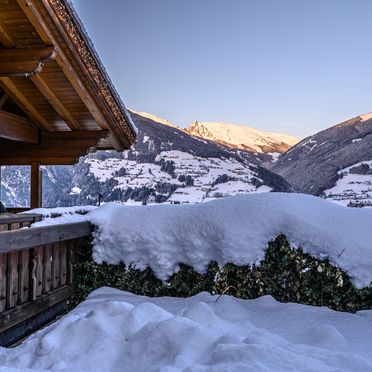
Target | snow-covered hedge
(233,230)
(221,246)
(289,275)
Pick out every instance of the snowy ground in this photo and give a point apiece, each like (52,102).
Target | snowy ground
(118,331)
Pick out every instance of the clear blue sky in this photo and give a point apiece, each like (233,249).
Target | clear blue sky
(294,66)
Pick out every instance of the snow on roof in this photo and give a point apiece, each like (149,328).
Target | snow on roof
(235,229)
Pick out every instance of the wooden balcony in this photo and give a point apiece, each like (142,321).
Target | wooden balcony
(36,272)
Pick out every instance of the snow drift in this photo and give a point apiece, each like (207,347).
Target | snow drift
(118,331)
(236,230)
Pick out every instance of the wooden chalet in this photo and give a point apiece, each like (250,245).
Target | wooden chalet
(56,103)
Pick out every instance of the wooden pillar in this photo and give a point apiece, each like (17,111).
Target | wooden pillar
(36,183)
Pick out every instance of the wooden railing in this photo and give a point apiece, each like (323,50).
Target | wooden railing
(36,269)
(17,221)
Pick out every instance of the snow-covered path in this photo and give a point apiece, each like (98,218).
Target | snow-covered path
(118,331)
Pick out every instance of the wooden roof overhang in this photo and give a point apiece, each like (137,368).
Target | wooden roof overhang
(56,100)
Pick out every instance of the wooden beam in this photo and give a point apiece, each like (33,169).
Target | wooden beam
(42,54)
(75,135)
(12,90)
(17,128)
(52,160)
(24,62)
(53,148)
(5,36)
(27,68)
(58,106)
(36,182)
(3,100)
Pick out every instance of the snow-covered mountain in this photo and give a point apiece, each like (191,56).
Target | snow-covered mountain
(155,118)
(242,137)
(335,163)
(165,165)
(234,136)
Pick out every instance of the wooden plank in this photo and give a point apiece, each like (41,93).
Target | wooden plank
(36,182)
(71,260)
(33,237)
(12,280)
(63,262)
(33,279)
(17,128)
(3,100)
(47,274)
(39,255)
(24,276)
(29,309)
(56,267)
(56,103)
(3,279)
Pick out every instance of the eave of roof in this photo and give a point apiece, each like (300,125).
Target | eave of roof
(76,36)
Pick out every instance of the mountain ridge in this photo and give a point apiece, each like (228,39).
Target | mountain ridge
(231,135)
(165,165)
(317,163)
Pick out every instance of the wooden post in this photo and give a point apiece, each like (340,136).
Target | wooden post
(36,184)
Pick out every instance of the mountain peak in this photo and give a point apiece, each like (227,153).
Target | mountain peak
(366,117)
(242,137)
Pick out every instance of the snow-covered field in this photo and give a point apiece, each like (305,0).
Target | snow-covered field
(235,229)
(118,331)
(203,171)
(353,187)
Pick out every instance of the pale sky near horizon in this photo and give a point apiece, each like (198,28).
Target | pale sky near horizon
(291,66)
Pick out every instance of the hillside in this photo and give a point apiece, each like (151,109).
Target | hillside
(339,155)
(165,165)
(242,137)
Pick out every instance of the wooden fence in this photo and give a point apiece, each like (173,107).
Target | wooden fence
(36,269)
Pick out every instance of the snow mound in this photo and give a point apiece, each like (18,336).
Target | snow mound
(119,331)
(236,230)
